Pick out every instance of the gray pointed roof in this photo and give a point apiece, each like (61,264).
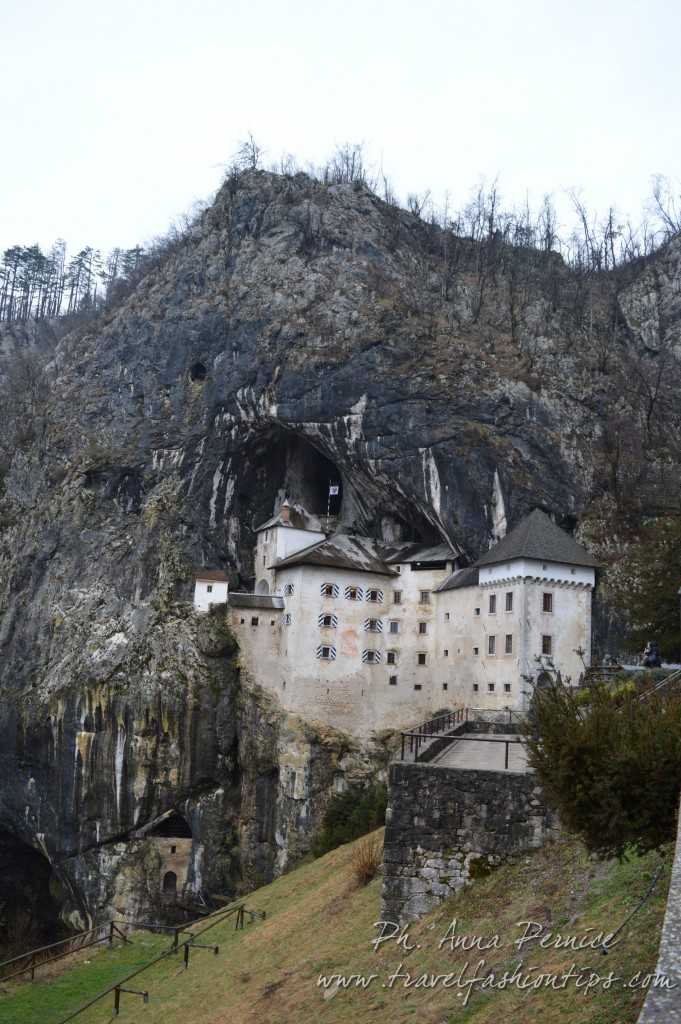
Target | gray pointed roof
(537,537)
(341,551)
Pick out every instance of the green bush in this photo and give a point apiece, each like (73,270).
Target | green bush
(360,809)
(612,770)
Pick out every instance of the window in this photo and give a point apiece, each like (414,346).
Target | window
(371,657)
(288,589)
(417,686)
(421,658)
(476,651)
(547,603)
(391,657)
(475,687)
(397,597)
(287,619)
(398,568)
(507,687)
(546,645)
(392,680)
(353,593)
(375,595)
(424,597)
(477,611)
(373,625)
(423,628)
(445,686)
(242,621)
(326,653)
(263,559)
(508,646)
(254,620)
(509,601)
(209,588)
(173,849)
(329,590)
(271,622)
(394,626)
(327,621)
(491,644)
(446,653)
(446,616)
(490,687)
(492,604)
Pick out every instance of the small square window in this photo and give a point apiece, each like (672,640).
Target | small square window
(492,604)
(271,622)
(423,628)
(547,603)
(373,626)
(173,849)
(477,611)
(392,680)
(287,619)
(394,626)
(352,593)
(507,687)
(417,686)
(209,588)
(424,597)
(491,644)
(446,616)
(242,621)
(476,650)
(508,645)
(421,658)
(391,657)
(370,657)
(446,653)
(546,645)
(397,597)
(327,620)
(288,589)
(374,595)
(475,687)
(490,687)
(445,686)
(509,601)
(254,620)
(327,590)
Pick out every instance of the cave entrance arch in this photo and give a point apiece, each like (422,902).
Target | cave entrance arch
(173,826)
(30,898)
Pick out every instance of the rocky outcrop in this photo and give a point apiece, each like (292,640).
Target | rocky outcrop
(298,333)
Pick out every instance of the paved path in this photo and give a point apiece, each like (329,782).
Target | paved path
(475,753)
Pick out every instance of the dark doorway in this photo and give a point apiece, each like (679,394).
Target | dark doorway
(170,883)
(173,827)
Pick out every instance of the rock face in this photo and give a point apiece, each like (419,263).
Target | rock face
(298,334)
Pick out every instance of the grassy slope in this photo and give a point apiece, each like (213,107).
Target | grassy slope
(318,922)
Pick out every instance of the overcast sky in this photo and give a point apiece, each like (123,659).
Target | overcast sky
(116,116)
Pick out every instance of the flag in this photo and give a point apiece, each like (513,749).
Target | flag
(333,489)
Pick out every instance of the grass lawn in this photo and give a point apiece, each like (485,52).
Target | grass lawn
(318,922)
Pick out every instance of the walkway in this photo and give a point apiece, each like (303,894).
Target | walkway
(475,753)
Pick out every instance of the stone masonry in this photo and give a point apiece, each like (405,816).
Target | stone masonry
(445,826)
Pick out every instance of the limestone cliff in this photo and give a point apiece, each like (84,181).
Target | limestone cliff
(298,333)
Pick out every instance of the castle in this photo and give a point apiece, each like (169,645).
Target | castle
(365,636)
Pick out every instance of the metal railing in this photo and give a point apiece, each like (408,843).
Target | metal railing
(432,729)
(239,910)
(494,716)
(43,955)
(673,677)
(489,739)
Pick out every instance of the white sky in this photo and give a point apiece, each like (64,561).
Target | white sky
(116,116)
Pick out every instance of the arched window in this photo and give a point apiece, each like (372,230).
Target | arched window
(170,883)
(263,587)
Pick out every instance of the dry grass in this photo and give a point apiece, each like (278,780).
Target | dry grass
(269,973)
(367,857)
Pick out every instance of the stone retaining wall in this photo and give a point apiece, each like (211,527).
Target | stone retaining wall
(663,1005)
(444,826)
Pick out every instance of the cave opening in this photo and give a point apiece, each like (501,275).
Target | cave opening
(173,827)
(198,372)
(30,898)
(279,463)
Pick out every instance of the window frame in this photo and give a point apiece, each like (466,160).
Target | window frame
(492,605)
(491,645)
(547,641)
(508,643)
(547,599)
(509,602)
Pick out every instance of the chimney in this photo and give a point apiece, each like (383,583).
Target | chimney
(285,512)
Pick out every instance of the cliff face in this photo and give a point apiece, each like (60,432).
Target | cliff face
(298,334)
